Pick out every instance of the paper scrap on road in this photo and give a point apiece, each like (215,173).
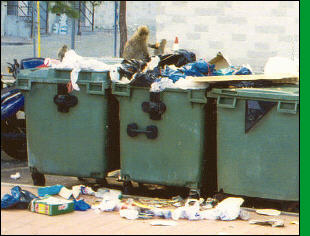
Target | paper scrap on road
(268,212)
(15,176)
(163,223)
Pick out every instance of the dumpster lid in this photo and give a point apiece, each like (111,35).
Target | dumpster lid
(279,92)
(33,73)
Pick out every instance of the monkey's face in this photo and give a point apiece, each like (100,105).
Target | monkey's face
(163,42)
(143,32)
(144,35)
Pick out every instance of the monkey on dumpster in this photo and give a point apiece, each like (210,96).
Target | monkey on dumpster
(62,51)
(159,48)
(136,46)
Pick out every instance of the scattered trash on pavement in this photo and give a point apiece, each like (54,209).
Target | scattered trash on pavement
(81,205)
(15,176)
(19,199)
(130,214)
(244,215)
(163,223)
(65,193)
(50,205)
(272,222)
(229,208)
(268,212)
(50,190)
(87,190)
(294,222)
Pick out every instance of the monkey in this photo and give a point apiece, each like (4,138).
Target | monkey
(62,51)
(136,46)
(159,48)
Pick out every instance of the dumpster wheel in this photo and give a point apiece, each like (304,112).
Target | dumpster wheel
(127,187)
(194,193)
(37,177)
(101,181)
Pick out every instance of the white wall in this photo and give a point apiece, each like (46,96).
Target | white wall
(3,15)
(138,12)
(244,31)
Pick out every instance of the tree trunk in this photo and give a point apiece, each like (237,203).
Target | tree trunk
(122,27)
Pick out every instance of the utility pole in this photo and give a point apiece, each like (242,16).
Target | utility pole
(73,34)
(75,5)
(34,29)
(115,27)
(39,34)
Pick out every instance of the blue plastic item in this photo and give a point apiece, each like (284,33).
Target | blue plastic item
(80,205)
(28,63)
(244,71)
(198,68)
(11,104)
(174,75)
(233,71)
(19,199)
(51,190)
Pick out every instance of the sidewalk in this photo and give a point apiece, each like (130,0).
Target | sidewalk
(90,222)
(10,40)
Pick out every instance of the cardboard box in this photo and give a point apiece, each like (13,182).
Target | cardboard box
(51,206)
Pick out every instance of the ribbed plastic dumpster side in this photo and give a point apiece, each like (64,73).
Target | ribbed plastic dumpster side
(69,134)
(162,135)
(262,161)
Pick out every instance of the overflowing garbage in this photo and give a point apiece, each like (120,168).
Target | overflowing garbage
(57,199)
(166,71)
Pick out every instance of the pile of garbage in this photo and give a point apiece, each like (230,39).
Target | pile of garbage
(158,72)
(58,199)
(169,70)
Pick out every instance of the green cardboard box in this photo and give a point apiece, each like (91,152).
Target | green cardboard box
(51,206)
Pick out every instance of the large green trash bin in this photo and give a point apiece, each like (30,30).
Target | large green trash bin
(71,135)
(258,141)
(162,135)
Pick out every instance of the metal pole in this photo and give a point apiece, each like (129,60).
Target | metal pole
(34,29)
(115,28)
(39,35)
(73,34)
(79,20)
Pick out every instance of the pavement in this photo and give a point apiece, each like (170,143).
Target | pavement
(89,222)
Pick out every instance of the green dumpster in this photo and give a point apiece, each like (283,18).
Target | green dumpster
(258,141)
(162,136)
(69,134)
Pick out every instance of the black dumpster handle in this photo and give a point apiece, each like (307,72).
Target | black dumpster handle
(151,131)
(65,102)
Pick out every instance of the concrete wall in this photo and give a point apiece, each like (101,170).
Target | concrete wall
(244,31)
(13,25)
(3,15)
(138,12)
(16,27)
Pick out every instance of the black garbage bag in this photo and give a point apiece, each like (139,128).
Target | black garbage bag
(179,58)
(145,79)
(129,67)
(20,199)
